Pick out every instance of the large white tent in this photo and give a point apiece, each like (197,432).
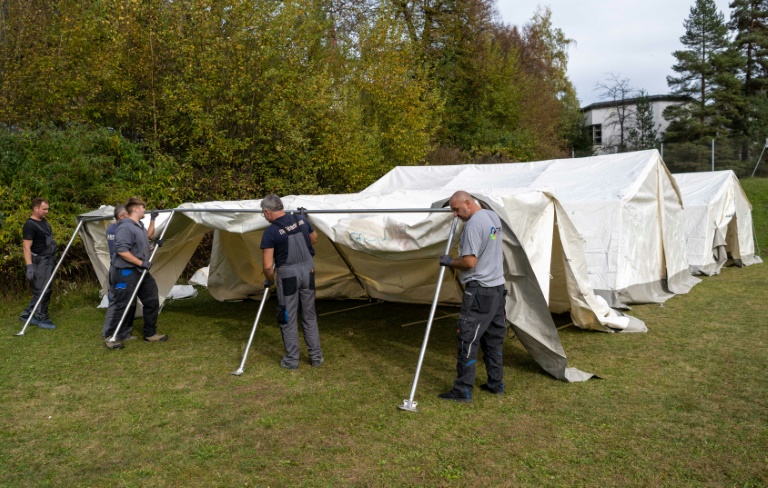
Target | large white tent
(393,256)
(718,221)
(626,207)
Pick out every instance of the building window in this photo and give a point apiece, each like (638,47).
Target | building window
(597,134)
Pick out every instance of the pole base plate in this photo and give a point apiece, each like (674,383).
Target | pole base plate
(408,406)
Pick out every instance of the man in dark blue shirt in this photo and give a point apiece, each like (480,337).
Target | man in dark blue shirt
(287,256)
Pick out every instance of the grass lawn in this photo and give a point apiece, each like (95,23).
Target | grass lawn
(682,405)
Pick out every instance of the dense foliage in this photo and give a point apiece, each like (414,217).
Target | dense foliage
(199,100)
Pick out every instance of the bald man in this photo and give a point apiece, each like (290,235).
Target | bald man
(481,323)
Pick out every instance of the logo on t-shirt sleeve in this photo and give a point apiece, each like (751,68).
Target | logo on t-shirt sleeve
(494,232)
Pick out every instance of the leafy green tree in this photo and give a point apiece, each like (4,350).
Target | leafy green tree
(550,108)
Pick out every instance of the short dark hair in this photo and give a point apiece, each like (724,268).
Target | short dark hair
(271,202)
(134,202)
(36,202)
(119,210)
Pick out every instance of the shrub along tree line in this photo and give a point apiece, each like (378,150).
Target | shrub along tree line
(198,100)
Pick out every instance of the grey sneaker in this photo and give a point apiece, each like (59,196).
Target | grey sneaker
(316,363)
(156,338)
(113,345)
(46,324)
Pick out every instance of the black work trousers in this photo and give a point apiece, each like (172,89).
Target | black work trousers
(44,265)
(481,323)
(124,281)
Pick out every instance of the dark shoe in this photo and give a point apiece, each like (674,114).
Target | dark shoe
(455,396)
(34,321)
(287,366)
(156,338)
(46,324)
(113,345)
(485,387)
(316,363)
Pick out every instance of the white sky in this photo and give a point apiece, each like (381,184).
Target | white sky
(631,38)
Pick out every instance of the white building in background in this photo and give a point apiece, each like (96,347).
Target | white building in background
(602,122)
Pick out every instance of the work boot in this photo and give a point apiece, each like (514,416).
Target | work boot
(487,388)
(456,396)
(286,365)
(156,338)
(316,363)
(113,345)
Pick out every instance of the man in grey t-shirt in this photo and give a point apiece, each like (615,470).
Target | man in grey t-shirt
(482,321)
(131,261)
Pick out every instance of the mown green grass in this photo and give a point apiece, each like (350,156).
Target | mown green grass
(682,405)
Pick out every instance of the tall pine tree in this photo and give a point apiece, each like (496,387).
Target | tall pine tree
(706,72)
(643,134)
(749,23)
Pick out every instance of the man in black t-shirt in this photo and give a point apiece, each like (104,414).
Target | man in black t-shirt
(287,252)
(39,250)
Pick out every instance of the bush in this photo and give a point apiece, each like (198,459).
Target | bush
(76,169)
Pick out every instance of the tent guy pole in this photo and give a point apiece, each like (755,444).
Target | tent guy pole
(141,279)
(50,280)
(241,369)
(409,404)
(758,159)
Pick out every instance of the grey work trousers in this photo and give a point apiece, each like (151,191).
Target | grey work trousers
(296,292)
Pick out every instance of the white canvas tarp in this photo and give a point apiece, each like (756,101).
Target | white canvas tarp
(393,256)
(626,207)
(718,221)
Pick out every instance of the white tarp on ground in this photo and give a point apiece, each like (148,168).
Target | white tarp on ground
(718,221)
(393,256)
(626,207)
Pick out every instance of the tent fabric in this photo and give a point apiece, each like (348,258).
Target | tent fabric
(626,208)
(393,256)
(718,221)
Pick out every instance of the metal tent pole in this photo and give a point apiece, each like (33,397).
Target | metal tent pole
(241,369)
(758,159)
(141,280)
(50,280)
(409,404)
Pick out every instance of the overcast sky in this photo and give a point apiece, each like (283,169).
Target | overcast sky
(632,38)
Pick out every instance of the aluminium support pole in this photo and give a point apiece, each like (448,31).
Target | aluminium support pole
(50,280)
(241,369)
(758,159)
(409,404)
(141,280)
